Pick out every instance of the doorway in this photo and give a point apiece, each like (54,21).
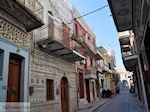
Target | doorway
(87,90)
(93,90)
(14,79)
(64,94)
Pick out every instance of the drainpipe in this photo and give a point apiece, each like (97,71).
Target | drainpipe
(141,77)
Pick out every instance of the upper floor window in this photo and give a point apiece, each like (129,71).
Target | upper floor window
(76,28)
(89,38)
(91,61)
(1,61)
(109,65)
(93,41)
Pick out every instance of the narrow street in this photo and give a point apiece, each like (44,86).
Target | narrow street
(123,102)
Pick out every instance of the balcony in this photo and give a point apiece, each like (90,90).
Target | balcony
(105,68)
(27,12)
(58,42)
(90,73)
(88,49)
(125,48)
(98,55)
(129,60)
(125,41)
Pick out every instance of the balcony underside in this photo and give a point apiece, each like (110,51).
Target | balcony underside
(122,14)
(58,49)
(130,62)
(107,71)
(125,48)
(98,57)
(21,13)
(90,76)
(89,52)
(124,41)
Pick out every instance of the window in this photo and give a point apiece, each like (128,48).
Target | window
(93,41)
(109,65)
(1,61)
(91,61)
(76,29)
(89,38)
(102,82)
(50,89)
(129,76)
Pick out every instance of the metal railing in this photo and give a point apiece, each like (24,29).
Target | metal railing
(61,35)
(34,6)
(89,44)
(90,70)
(125,54)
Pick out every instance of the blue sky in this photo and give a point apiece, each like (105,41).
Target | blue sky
(102,24)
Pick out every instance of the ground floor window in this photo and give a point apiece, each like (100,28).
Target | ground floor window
(1,61)
(102,82)
(50,89)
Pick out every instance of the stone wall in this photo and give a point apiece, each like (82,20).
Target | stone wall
(14,34)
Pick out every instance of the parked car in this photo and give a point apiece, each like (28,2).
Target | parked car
(132,89)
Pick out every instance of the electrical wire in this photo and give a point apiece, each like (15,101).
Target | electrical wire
(92,12)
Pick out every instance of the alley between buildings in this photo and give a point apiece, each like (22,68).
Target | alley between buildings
(123,102)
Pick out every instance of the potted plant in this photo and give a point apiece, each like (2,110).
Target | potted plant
(84,44)
(74,37)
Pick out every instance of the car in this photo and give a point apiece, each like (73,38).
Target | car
(132,89)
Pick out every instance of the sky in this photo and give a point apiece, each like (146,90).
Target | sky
(102,24)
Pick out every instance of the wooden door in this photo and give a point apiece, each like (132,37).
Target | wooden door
(64,94)
(81,85)
(87,90)
(14,76)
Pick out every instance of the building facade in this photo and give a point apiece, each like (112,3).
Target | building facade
(135,23)
(17,20)
(125,77)
(48,57)
(53,77)
(107,65)
(87,78)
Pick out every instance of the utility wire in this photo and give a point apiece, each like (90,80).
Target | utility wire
(82,15)
(92,12)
